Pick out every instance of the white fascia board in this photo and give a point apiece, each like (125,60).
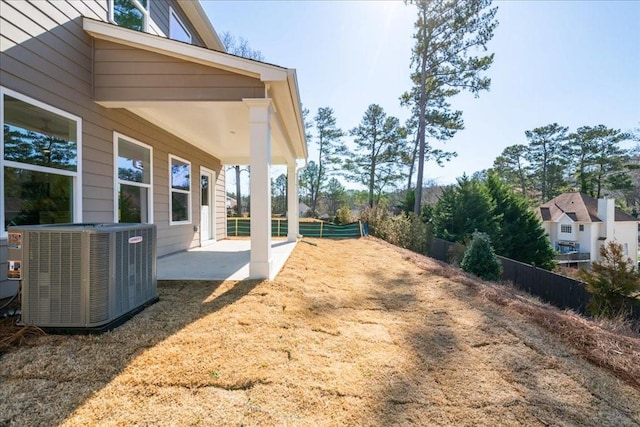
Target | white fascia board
(199,19)
(184,51)
(292,81)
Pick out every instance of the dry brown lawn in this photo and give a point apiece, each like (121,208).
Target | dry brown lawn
(352,332)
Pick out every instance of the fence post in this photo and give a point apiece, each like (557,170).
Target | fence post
(321,228)
(236,227)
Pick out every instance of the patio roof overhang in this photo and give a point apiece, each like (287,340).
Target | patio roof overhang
(239,110)
(189,103)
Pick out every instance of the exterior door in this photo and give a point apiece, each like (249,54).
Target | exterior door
(207,207)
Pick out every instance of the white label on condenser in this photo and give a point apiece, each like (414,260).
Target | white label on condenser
(136,239)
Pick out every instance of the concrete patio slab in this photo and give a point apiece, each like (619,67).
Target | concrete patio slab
(223,260)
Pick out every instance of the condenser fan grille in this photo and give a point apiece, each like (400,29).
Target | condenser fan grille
(55,270)
(85,275)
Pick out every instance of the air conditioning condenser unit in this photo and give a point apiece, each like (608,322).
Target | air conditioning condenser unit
(83,277)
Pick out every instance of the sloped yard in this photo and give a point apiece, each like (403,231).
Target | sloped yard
(352,332)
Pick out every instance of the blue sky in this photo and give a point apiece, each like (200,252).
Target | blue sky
(576,63)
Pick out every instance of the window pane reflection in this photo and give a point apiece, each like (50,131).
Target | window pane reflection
(38,137)
(179,207)
(127,15)
(37,198)
(132,203)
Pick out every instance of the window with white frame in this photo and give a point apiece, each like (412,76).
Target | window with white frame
(41,152)
(177,30)
(180,190)
(565,228)
(132,14)
(134,172)
(581,227)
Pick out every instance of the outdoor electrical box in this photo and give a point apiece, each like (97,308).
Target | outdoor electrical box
(83,277)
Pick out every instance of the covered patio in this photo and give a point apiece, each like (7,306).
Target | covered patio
(224,260)
(238,110)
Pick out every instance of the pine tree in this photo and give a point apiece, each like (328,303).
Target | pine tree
(379,159)
(611,281)
(330,148)
(547,157)
(447,33)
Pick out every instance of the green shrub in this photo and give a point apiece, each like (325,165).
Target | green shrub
(480,259)
(612,282)
(343,216)
(406,231)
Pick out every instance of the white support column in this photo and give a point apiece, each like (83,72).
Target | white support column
(260,266)
(292,202)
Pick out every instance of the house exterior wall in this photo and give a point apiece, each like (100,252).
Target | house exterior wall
(47,56)
(159,11)
(566,236)
(123,73)
(626,233)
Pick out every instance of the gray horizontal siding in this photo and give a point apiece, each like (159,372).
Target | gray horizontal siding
(46,55)
(160,15)
(127,74)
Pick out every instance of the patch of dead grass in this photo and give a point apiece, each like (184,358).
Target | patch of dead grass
(352,332)
(618,351)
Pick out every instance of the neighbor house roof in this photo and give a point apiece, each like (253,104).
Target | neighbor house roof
(577,206)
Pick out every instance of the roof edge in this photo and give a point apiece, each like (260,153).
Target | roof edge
(199,19)
(294,90)
(185,51)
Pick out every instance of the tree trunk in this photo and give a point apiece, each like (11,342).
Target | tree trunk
(238,195)
(371,183)
(413,163)
(421,119)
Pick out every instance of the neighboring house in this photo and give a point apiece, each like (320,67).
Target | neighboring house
(126,111)
(231,203)
(303,209)
(578,225)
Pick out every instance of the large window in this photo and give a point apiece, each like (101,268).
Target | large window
(177,30)
(180,190)
(133,14)
(41,169)
(133,185)
(565,228)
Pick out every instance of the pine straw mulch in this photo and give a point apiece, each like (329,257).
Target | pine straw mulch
(352,332)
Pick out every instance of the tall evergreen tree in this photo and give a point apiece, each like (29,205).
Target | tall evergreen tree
(447,33)
(599,160)
(330,148)
(308,179)
(335,196)
(279,194)
(546,155)
(462,209)
(521,236)
(511,166)
(379,158)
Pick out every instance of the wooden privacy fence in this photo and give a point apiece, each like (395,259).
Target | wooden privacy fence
(561,291)
(280,228)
